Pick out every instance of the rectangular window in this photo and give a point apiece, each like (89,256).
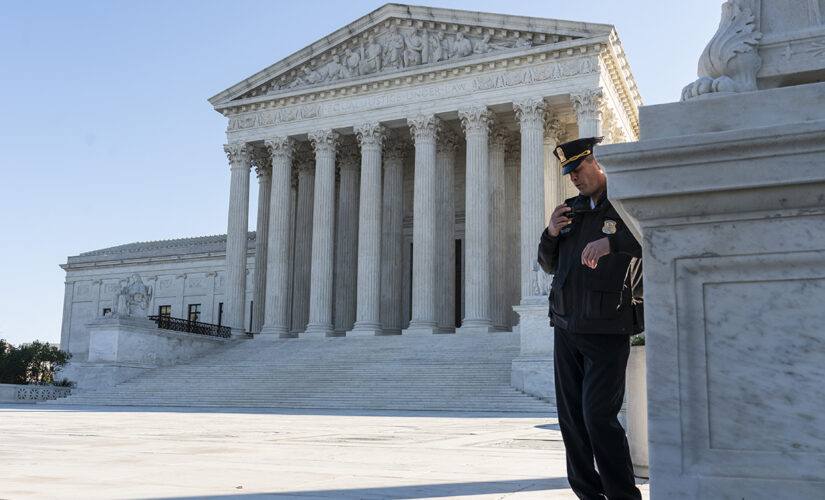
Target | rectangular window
(220,313)
(106,310)
(165,311)
(194,312)
(251,308)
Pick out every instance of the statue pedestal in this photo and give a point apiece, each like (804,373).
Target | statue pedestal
(532,372)
(121,348)
(728,193)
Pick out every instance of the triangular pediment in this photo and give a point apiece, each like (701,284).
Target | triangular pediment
(401,38)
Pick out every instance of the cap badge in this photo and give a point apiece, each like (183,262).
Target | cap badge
(560,153)
(609,227)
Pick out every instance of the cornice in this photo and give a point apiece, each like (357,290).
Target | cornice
(624,88)
(424,17)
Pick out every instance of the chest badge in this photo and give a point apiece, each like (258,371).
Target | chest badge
(609,227)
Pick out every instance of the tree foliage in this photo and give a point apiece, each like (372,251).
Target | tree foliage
(30,363)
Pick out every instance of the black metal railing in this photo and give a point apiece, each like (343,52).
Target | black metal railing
(184,325)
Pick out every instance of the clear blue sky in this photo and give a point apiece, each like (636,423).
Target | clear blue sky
(107,136)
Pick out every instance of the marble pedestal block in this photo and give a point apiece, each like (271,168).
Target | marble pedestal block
(122,348)
(728,194)
(532,372)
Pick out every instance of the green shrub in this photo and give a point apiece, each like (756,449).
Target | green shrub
(30,363)
(637,339)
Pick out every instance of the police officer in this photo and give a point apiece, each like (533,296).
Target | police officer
(595,305)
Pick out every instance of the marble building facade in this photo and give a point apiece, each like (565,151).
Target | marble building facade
(405,174)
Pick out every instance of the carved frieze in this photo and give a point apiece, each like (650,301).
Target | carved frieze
(512,78)
(398,45)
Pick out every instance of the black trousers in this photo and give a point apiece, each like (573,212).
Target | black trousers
(590,380)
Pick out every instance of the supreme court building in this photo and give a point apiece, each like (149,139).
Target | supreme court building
(405,174)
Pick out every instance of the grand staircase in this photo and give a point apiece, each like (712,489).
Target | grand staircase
(435,373)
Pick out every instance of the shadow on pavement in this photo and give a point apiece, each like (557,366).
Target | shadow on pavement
(407,492)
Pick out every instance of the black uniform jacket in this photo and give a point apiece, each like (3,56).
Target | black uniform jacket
(607,299)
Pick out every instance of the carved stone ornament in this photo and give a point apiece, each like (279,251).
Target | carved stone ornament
(396,148)
(280,149)
(424,127)
(476,119)
(349,156)
(448,143)
(370,134)
(554,132)
(512,150)
(532,111)
(238,153)
(396,48)
(324,141)
(587,104)
(133,299)
(730,61)
(303,157)
(262,162)
(498,136)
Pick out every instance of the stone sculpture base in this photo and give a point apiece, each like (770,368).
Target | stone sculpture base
(729,194)
(532,372)
(122,348)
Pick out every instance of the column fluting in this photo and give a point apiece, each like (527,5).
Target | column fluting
(370,138)
(236,237)
(392,235)
(323,235)
(555,184)
(305,163)
(424,129)
(512,190)
(263,169)
(476,124)
(498,280)
(448,145)
(276,318)
(531,114)
(346,237)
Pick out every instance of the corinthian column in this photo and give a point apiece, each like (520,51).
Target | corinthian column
(236,237)
(512,195)
(589,108)
(498,304)
(476,124)
(346,238)
(276,318)
(531,115)
(448,144)
(303,239)
(392,235)
(424,129)
(323,234)
(555,184)
(263,168)
(368,316)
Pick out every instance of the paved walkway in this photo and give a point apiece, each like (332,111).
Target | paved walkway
(138,453)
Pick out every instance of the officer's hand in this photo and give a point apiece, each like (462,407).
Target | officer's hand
(558,220)
(594,251)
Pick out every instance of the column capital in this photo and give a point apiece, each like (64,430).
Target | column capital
(303,158)
(512,148)
(349,156)
(424,127)
(280,148)
(476,119)
(588,102)
(498,136)
(324,140)
(530,110)
(554,132)
(448,142)
(371,134)
(238,154)
(396,148)
(262,162)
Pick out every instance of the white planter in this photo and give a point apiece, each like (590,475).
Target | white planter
(637,411)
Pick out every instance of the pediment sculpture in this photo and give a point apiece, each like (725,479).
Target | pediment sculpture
(399,47)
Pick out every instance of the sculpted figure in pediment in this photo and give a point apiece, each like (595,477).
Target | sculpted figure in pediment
(439,47)
(523,41)
(352,63)
(333,70)
(416,52)
(462,46)
(371,59)
(393,49)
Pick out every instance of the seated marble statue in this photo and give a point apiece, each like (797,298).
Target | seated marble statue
(133,299)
